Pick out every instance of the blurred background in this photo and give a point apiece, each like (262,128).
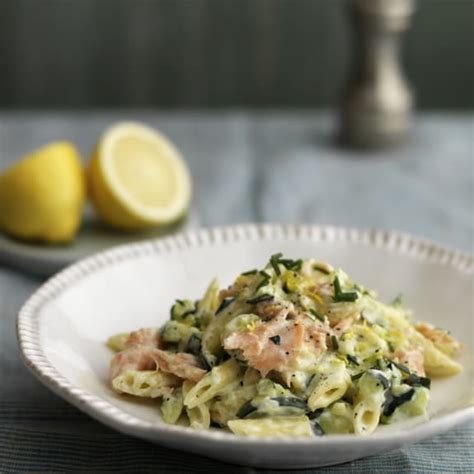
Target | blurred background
(214,53)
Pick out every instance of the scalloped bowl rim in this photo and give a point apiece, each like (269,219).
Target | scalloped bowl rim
(36,361)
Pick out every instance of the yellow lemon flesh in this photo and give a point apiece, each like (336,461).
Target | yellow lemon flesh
(137,178)
(41,197)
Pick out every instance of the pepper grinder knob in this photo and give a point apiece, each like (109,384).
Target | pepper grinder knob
(378,102)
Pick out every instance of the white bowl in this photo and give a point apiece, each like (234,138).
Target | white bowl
(63,326)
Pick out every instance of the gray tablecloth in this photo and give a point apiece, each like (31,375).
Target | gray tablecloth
(247,166)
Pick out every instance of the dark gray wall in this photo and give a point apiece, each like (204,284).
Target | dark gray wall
(80,53)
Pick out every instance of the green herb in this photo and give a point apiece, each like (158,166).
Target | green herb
(291,402)
(265,279)
(335,344)
(205,362)
(274,261)
(250,272)
(352,359)
(414,380)
(392,402)
(320,269)
(289,264)
(381,378)
(260,299)
(246,409)
(296,267)
(341,296)
(181,309)
(348,297)
(401,367)
(398,301)
(225,302)
(194,345)
(277,260)
(314,313)
(275,340)
(314,414)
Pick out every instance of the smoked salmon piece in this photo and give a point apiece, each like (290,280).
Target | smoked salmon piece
(145,336)
(185,366)
(413,359)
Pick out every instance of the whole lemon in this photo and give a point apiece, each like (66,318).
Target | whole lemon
(42,196)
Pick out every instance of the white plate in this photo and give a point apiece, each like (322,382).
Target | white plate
(93,236)
(63,326)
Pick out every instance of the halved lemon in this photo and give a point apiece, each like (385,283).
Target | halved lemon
(137,178)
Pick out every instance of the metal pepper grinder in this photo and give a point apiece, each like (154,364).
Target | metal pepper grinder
(378,102)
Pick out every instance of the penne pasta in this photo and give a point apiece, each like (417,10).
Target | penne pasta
(117,342)
(368,401)
(329,385)
(145,383)
(172,406)
(199,416)
(220,378)
(295,426)
(295,348)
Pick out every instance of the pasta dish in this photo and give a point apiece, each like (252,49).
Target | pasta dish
(294,349)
